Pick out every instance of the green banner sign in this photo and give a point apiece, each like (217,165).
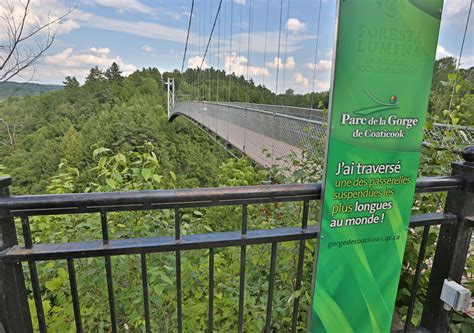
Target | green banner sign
(381,83)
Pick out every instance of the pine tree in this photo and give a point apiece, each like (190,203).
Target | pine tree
(70,82)
(95,75)
(113,73)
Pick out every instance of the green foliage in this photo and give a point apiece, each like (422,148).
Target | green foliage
(141,169)
(107,111)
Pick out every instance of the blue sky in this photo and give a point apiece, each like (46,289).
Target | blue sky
(143,33)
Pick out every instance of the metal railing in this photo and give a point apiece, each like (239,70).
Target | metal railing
(268,134)
(451,251)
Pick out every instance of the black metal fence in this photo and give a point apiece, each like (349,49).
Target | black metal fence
(455,225)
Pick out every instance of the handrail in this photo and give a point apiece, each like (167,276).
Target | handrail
(200,197)
(266,112)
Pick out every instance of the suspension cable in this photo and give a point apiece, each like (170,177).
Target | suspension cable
(286,45)
(210,58)
(212,31)
(460,56)
(278,56)
(249,42)
(187,36)
(316,55)
(239,52)
(230,59)
(230,47)
(218,54)
(247,83)
(265,53)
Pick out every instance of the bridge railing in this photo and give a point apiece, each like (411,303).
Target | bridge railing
(455,228)
(295,126)
(254,130)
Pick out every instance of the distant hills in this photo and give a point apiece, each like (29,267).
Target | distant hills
(17,89)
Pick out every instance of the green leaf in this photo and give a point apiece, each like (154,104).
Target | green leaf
(157,178)
(99,151)
(146,173)
(121,159)
(173,175)
(197,213)
(111,183)
(54,284)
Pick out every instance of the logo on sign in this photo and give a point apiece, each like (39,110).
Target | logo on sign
(392,104)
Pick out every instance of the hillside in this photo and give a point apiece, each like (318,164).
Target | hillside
(17,89)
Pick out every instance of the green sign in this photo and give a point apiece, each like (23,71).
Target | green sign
(381,82)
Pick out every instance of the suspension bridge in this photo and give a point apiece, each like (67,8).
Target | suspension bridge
(269,134)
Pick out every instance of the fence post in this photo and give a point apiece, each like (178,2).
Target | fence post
(14,309)
(452,246)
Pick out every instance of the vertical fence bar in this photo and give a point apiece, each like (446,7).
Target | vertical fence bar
(243,255)
(110,290)
(14,309)
(211,291)
(105,228)
(25,223)
(37,297)
(452,246)
(74,294)
(299,274)
(177,226)
(108,272)
(416,279)
(146,303)
(271,285)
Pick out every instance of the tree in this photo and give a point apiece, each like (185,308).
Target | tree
(25,39)
(95,75)
(113,73)
(70,82)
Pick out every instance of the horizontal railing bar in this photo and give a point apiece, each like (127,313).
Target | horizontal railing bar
(157,244)
(155,206)
(429,219)
(165,198)
(190,242)
(277,105)
(52,204)
(304,120)
(438,184)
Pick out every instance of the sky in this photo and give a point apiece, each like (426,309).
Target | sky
(152,33)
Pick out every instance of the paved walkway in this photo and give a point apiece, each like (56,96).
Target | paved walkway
(263,150)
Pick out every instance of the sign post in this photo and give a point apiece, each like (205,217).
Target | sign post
(383,64)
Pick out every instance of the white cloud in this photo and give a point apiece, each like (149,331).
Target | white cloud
(139,28)
(278,62)
(240,2)
(321,85)
(195,62)
(321,66)
(126,5)
(72,63)
(40,12)
(295,25)
(441,52)
(238,65)
(147,48)
(455,15)
(466,61)
(300,80)
(455,7)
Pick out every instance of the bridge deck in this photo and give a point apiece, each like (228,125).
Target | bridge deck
(264,150)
